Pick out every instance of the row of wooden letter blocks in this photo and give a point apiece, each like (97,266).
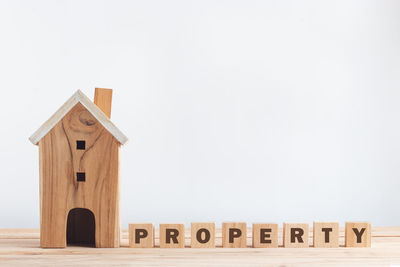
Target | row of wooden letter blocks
(264,235)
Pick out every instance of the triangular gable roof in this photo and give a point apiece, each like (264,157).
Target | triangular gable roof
(78,97)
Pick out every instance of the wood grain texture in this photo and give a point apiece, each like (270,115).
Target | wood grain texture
(172,235)
(103,99)
(265,235)
(202,235)
(326,234)
(21,247)
(59,189)
(141,235)
(295,235)
(78,97)
(234,234)
(358,234)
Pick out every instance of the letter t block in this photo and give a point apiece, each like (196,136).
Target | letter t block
(326,234)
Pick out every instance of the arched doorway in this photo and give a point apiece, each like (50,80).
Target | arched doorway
(81,228)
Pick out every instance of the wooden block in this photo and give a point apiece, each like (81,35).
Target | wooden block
(141,235)
(326,234)
(295,235)
(358,234)
(202,235)
(265,235)
(234,235)
(172,235)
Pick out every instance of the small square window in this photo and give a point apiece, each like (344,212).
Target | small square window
(81,176)
(80,145)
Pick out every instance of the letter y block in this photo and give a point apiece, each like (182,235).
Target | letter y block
(358,234)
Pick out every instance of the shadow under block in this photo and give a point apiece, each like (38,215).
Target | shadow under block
(172,235)
(265,235)
(141,235)
(326,234)
(358,234)
(202,235)
(234,235)
(295,235)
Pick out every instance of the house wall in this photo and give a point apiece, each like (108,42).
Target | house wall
(59,189)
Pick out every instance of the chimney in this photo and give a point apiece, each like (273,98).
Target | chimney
(103,99)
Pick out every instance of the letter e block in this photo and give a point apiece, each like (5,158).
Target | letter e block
(265,235)
(172,235)
(295,235)
(234,235)
(141,235)
(358,234)
(326,234)
(202,235)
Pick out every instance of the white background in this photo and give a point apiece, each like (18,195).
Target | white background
(236,110)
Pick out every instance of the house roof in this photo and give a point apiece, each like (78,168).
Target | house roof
(78,97)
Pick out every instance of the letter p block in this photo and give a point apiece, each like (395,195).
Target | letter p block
(234,235)
(141,235)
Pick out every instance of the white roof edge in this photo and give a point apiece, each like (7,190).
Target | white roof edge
(80,97)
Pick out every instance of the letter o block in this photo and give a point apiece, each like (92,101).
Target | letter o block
(141,235)
(358,234)
(234,235)
(265,235)
(172,235)
(295,235)
(202,235)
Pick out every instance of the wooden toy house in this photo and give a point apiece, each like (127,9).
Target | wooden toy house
(79,174)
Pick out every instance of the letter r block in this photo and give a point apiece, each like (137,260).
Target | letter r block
(172,235)
(234,235)
(141,235)
(326,234)
(358,234)
(202,235)
(265,235)
(295,235)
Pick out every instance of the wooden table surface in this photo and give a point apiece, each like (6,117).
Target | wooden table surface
(20,247)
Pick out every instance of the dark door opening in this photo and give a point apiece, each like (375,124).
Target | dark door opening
(81,228)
